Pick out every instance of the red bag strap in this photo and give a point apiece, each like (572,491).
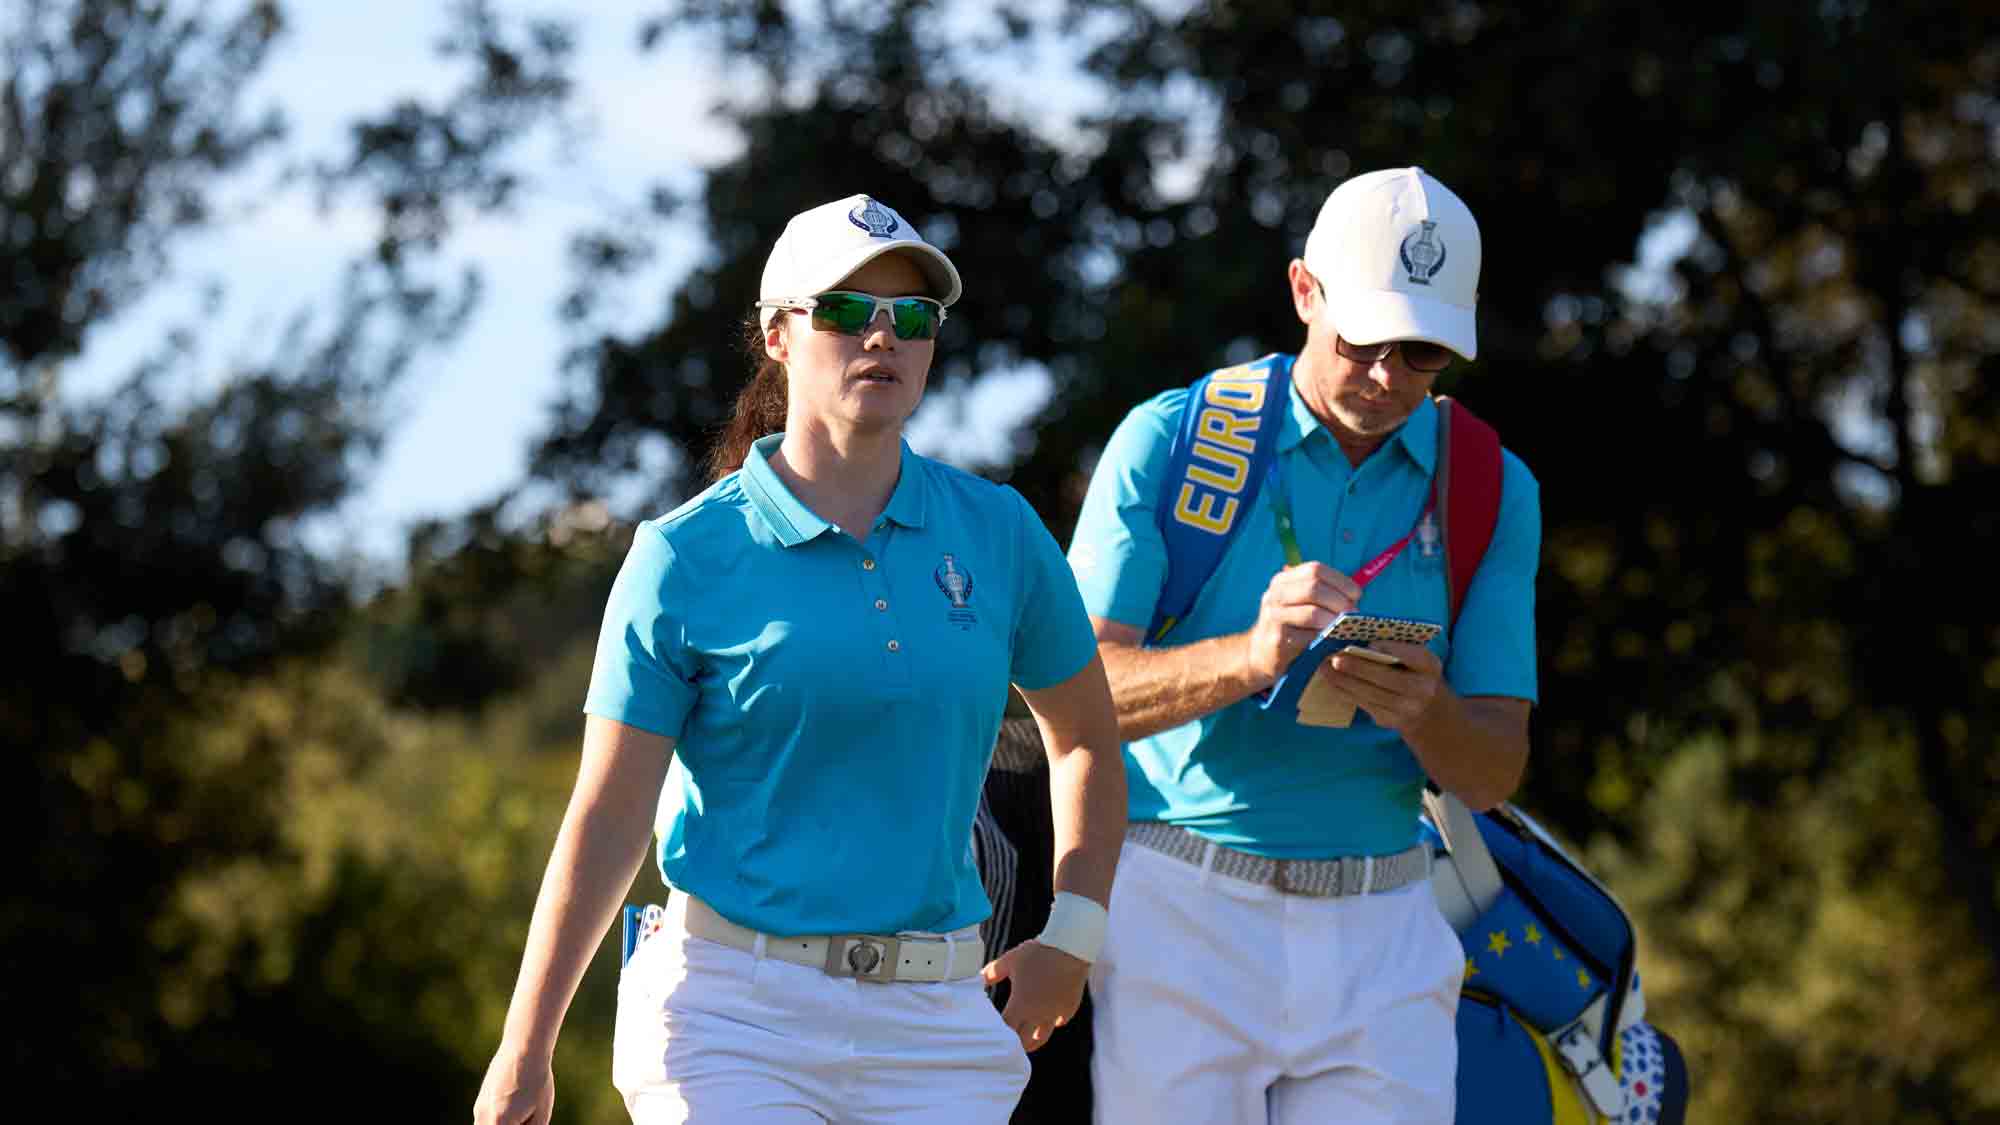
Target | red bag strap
(1466,489)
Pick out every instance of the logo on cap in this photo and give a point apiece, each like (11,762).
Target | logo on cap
(873,218)
(1426,258)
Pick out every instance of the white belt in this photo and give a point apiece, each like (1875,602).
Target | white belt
(861,956)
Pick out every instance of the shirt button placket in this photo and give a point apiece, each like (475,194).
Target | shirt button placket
(894,668)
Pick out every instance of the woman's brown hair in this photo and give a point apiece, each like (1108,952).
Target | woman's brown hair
(759,410)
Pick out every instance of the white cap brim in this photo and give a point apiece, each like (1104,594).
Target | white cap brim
(822,246)
(940,276)
(939,273)
(1375,315)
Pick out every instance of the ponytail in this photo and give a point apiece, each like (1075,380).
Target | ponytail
(759,410)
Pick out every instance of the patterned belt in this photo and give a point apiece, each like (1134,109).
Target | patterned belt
(1312,878)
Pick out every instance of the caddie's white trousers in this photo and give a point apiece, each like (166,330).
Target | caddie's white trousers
(1222,1001)
(709,1034)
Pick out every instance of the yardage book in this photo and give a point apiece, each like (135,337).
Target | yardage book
(1316,703)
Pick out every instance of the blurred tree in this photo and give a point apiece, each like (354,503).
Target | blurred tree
(904,127)
(1797,948)
(1807,558)
(483,605)
(1741,279)
(376,934)
(150,548)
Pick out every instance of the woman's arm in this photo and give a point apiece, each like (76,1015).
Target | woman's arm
(1087,799)
(603,840)
(1086,780)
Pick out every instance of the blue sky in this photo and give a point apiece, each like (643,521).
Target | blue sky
(467,415)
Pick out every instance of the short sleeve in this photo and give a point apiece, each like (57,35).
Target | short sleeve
(644,673)
(1117,553)
(1052,636)
(1493,641)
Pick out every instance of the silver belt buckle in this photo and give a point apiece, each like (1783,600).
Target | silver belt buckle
(863,957)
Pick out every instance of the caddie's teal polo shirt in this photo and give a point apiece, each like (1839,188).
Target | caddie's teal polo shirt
(1254,779)
(836,698)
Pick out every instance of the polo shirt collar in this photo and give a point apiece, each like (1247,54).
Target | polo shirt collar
(793,522)
(906,504)
(1299,422)
(1419,435)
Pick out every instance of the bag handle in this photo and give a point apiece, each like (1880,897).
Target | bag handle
(1470,883)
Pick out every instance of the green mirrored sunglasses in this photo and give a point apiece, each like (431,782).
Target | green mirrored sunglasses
(850,314)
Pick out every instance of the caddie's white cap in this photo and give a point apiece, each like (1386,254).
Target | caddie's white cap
(824,244)
(1398,255)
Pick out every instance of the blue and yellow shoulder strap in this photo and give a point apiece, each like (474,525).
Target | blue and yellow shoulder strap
(1221,454)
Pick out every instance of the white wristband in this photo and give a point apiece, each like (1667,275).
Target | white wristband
(1076,926)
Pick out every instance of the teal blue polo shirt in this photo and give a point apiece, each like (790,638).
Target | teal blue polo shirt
(1254,779)
(835,697)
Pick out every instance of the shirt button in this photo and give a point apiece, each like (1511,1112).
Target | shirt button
(1347,536)
(868,564)
(880,604)
(895,646)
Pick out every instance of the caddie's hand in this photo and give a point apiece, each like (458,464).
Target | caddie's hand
(1400,697)
(1048,987)
(520,1089)
(1299,602)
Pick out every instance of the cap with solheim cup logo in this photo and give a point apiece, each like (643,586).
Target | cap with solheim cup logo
(823,245)
(1397,254)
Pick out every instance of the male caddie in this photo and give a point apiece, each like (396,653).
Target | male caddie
(1274,953)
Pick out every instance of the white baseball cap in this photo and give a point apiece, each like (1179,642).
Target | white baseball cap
(1398,255)
(823,244)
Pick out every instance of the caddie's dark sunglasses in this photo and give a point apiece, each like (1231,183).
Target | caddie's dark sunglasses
(1420,356)
(850,314)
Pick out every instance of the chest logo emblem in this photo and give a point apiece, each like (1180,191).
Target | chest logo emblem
(1430,545)
(955,582)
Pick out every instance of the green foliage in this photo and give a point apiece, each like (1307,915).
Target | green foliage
(275,836)
(378,932)
(483,606)
(1802,949)
(151,555)
(1740,278)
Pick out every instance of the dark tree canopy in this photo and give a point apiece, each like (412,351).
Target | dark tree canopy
(1742,269)
(151,555)
(1767,450)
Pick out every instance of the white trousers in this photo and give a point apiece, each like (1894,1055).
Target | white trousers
(1219,1000)
(707,1033)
